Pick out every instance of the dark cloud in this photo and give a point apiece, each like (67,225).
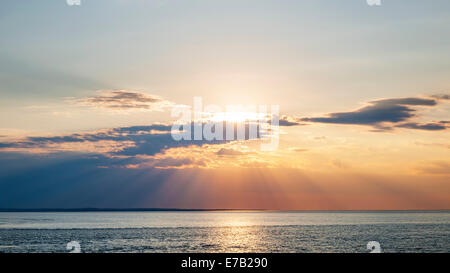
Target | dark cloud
(287,121)
(147,140)
(123,141)
(74,180)
(383,115)
(283,122)
(406,101)
(6,145)
(34,174)
(389,110)
(125,100)
(436,126)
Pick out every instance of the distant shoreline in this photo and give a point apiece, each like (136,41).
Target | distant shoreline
(202,210)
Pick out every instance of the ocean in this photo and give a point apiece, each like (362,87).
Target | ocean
(225,231)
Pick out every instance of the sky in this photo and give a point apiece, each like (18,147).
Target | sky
(88,92)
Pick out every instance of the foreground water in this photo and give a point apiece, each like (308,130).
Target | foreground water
(225,231)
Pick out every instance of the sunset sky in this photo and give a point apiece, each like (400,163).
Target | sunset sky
(87,94)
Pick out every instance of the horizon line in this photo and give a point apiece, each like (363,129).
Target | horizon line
(202,210)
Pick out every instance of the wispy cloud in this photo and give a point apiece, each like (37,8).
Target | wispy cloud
(433,144)
(435,168)
(125,100)
(442,96)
